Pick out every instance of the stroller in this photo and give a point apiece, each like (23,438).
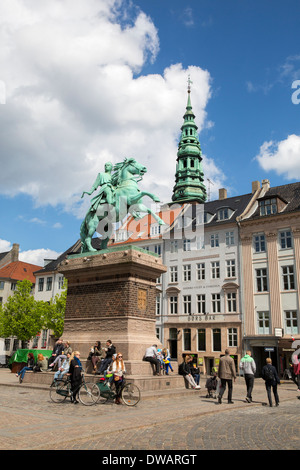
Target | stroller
(211,385)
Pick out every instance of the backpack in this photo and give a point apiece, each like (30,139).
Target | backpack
(180,369)
(269,374)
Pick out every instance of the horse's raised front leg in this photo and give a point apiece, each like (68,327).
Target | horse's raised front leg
(142,208)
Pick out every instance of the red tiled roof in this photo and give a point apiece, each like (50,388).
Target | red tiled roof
(18,271)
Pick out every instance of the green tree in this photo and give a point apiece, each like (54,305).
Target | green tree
(56,312)
(22,316)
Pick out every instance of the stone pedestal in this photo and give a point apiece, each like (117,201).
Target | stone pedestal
(112,295)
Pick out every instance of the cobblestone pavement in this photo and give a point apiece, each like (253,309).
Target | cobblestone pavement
(30,420)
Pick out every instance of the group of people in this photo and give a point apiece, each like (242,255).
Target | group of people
(227,375)
(159,358)
(109,363)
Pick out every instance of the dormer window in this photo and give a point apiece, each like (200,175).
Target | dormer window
(225,213)
(268,206)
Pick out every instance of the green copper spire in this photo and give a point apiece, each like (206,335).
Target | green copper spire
(189,176)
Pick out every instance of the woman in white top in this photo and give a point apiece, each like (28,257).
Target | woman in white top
(118,369)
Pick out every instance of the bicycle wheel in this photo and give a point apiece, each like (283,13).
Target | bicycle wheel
(59,391)
(89,394)
(130,394)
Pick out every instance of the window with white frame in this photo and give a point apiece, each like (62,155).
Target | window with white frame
(158,305)
(268,206)
(230,268)
(155,230)
(41,284)
(187,272)
(232,337)
(229,238)
(216,303)
(259,243)
(215,269)
(1,285)
(187,304)
(201,339)
(216,336)
(13,286)
(49,283)
(186,244)
(173,274)
(214,240)
(200,267)
(285,239)
(291,322)
(263,319)
(201,304)
(173,302)
(60,282)
(231,302)
(186,339)
(288,277)
(261,280)
(223,213)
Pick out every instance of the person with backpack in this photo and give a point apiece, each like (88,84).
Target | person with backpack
(270,376)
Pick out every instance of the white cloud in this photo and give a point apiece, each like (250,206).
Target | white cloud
(75,99)
(37,256)
(5,246)
(282,157)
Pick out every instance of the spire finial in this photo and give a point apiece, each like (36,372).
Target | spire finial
(189,83)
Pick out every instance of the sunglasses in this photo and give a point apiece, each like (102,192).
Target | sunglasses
(120,356)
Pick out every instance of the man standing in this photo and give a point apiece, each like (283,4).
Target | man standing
(248,366)
(226,373)
(151,356)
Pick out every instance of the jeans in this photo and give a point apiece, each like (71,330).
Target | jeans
(23,371)
(249,379)
(272,385)
(223,387)
(104,365)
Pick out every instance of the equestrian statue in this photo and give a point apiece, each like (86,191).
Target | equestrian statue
(119,196)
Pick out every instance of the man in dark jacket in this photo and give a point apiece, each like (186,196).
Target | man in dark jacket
(270,376)
(110,351)
(57,351)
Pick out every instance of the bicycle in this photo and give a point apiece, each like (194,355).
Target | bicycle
(88,393)
(130,393)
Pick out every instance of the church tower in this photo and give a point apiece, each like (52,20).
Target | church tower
(189,178)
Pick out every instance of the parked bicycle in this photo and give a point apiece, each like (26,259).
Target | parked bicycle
(60,390)
(130,393)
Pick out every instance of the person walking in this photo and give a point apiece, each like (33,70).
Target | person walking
(227,374)
(270,376)
(248,366)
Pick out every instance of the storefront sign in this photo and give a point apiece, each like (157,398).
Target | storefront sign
(202,317)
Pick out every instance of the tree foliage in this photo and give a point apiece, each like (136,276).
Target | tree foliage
(56,312)
(23,317)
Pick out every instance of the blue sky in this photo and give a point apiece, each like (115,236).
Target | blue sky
(93,81)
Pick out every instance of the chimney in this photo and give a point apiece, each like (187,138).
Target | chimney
(14,252)
(222,193)
(265,185)
(255,186)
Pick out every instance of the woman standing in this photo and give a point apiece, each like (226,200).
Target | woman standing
(75,375)
(118,369)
